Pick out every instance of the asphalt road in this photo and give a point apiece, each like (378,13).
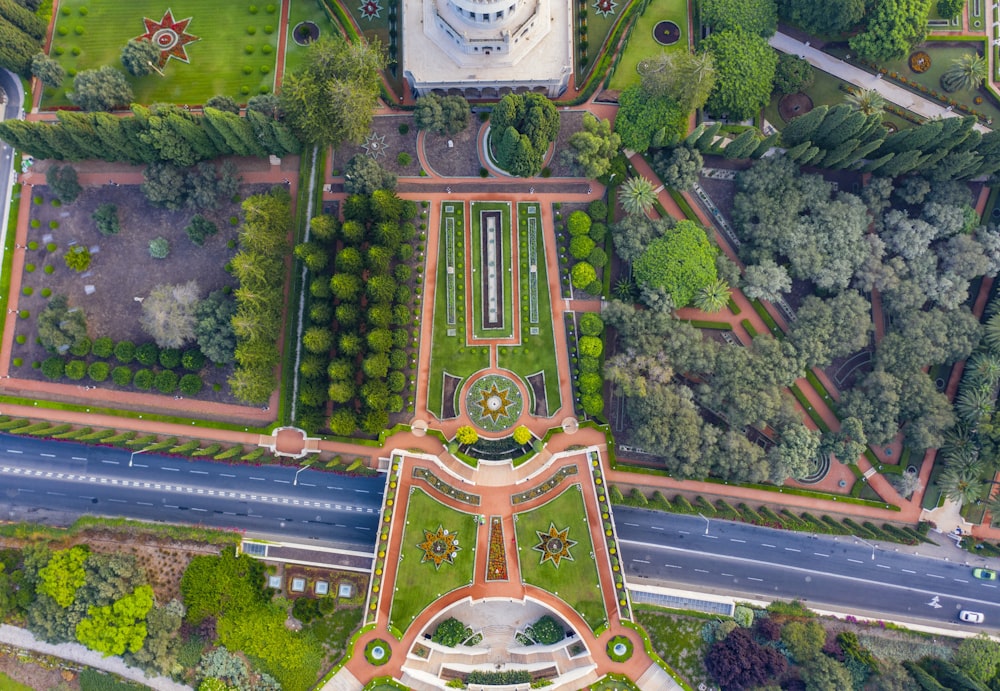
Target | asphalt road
(763,563)
(11,111)
(39,476)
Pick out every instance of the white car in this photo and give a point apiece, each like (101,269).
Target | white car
(971,617)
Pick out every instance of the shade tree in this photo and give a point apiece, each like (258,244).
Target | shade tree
(647,120)
(441,114)
(104,88)
(753,16)
(893,28)
(682,77)
(48,70)
(141,57)
(593,147)
(682,262)
(745,65)
(522,127)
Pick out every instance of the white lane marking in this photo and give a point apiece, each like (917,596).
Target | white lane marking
(139,465)
(14,451)
(118,501)
(711,537)
(728,574)
(883,566)
(792,549)
(656,527)
(701,570)
(109,462)
(363,491)
(934,575)
(306,484)
(57,494)
(199,472)
(820,554)
(328,486)
(640,561)
(284,482)
(987,585)
(171,506)
(684,532)
(673,566)
(751,578)
(257,478)
(856,561)
(733,539)
(226,475)
(960,580)
(47,455)
(173,470)
(907,571)
(634,525)
(78,458)
(764,544)
(144,503)
(202,510)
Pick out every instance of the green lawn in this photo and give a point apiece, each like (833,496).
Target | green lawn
(479,268)
(598,29)
(418,584)
(373,28)
(677,640)
(8,684)
(641,43)
(305,11)
(576,582)
(226,60)
(942,56)
(450,353)
(537,352)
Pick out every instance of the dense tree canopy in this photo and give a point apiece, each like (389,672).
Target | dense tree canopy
(753,16)
(745,65)
(683,77)
(102,89)
(831,17)
(522,126)
(442,114)
(893,28)
(594,146)
(331,99)
(682,262)
(646,120)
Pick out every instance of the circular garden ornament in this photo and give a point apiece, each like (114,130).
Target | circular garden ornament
(440,547)
(554,545)
(494,403)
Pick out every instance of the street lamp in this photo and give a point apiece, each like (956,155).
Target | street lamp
(296,480)
(707,523)
(858,539)
(136,453)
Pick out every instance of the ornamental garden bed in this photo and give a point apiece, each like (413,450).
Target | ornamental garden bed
(233,53)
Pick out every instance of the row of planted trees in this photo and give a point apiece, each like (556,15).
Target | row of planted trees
(360,311)
(260,268)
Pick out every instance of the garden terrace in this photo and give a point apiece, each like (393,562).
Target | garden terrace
(233,54)
(558,532)
(642,43)
(419,583)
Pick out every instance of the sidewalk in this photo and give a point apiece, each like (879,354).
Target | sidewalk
(898,95)
(74,652)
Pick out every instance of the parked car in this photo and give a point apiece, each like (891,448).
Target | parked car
(971,617)
(984,574)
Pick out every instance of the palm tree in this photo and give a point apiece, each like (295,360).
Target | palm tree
(960,445)
(713,297)
(993,506)
(965,73)
(991,334)
(984,368)
(972,405)
(868,101)
(638,195)
(963,485)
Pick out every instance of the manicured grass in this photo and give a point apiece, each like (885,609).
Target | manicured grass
(305,11)
(378,28)
(8,684)
(536,353)
(641,43)
(479,268)
(418,584)
(576,582)
(217,60)
(677,639)
(449,353)
(598,29)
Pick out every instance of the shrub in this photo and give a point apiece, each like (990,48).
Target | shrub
(159,248)
(581,246)
(28,290)
(597,258)
(199,229)
(53,368)
(21,339)
(106,219)
(165,381)
(404,159)
(593,404)
(191,385)
(49,269)
(81,348)
(147,354)
(591,324)
(591,346)
(590,383)
(124,352)
(193,360)
(522,435)
(582,275)
(597,210)
(121,375)
(29,268)
(98,371)
(578,224)
(103,347)
(597,233)
(170,358)
(76,369)
(143,380)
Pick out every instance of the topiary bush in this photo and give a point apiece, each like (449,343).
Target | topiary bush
(170,358)
(143,380)
(582,275)
(193,360)
(580,247)
(124,352)
(103,347)
(578,224)
(165,381)
(76,369)
(591,324)
(98,371)
(147,354)
(81,348)
(53,368)
(121,375)
(191,385)
(591,346)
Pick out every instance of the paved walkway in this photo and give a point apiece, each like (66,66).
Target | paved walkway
(893,93)
(24,639)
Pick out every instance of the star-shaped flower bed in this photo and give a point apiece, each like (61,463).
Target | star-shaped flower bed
(554,545)
(494,402)
(169,35)
(440,547)
(370,9)
(605,8)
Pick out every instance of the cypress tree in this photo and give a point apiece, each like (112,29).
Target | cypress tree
(16,48)
(705,140)
(835,157)
(765,145)
(26,136)
(796,152)
(235,131)
(902,163)
(860,153)
(61,142)
(877,163)
(803,127)
(949,675)
(813,157)
(849,128)
(76,126)
(835,116)
(111,131)
(742,145)
(262,130)
(212,131)
(136,129)
(287,141)
(695,133)
(923,679)
(28,22)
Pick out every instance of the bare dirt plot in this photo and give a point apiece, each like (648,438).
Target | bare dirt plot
(459,160)
(121,269)
(391,141)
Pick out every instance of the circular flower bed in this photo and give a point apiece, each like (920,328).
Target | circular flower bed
(377,652)
(666,33)
(305,33)
(494,403)
(620,648)
(920,62)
